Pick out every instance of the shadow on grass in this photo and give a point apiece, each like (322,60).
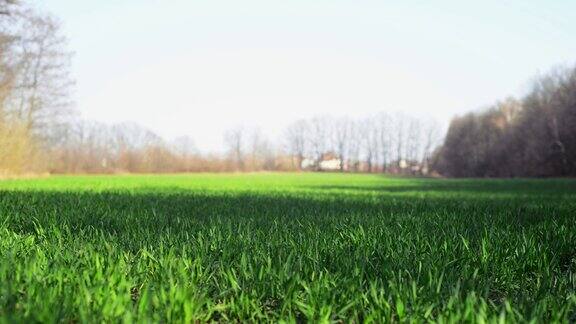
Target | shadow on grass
(116,213)
(469,189)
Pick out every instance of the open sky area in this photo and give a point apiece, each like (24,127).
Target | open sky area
(197,68)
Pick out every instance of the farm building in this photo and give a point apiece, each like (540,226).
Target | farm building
(327,162)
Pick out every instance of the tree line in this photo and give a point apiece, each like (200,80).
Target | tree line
(534,136)
(40,132)
(384,142)
(393,143)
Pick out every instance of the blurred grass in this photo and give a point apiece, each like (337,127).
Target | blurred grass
(294,247)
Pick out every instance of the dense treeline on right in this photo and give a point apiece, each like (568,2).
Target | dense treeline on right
(531,137)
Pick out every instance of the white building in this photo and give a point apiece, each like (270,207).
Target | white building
(328,162)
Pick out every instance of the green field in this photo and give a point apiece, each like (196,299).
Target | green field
(294,247)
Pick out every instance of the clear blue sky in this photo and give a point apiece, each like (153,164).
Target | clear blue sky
(185,67)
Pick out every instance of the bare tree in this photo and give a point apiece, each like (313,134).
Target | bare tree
(399,139)
(384,140)
(234,141)
(296,137)
(413,143)
(43,82)
(341,135)
(319,135)
(354,145)
(7,57)
(431,140)
(369,134)
(257,147)
(29,48)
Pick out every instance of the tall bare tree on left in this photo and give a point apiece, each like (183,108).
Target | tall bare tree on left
(35,84)
(43,83)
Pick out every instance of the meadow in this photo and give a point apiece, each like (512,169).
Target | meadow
(286,247)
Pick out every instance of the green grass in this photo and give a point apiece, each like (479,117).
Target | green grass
(294,247)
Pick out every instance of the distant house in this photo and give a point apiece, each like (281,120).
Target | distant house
(327,162)
(330,162)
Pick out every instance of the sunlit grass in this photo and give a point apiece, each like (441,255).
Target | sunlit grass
(258,247)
